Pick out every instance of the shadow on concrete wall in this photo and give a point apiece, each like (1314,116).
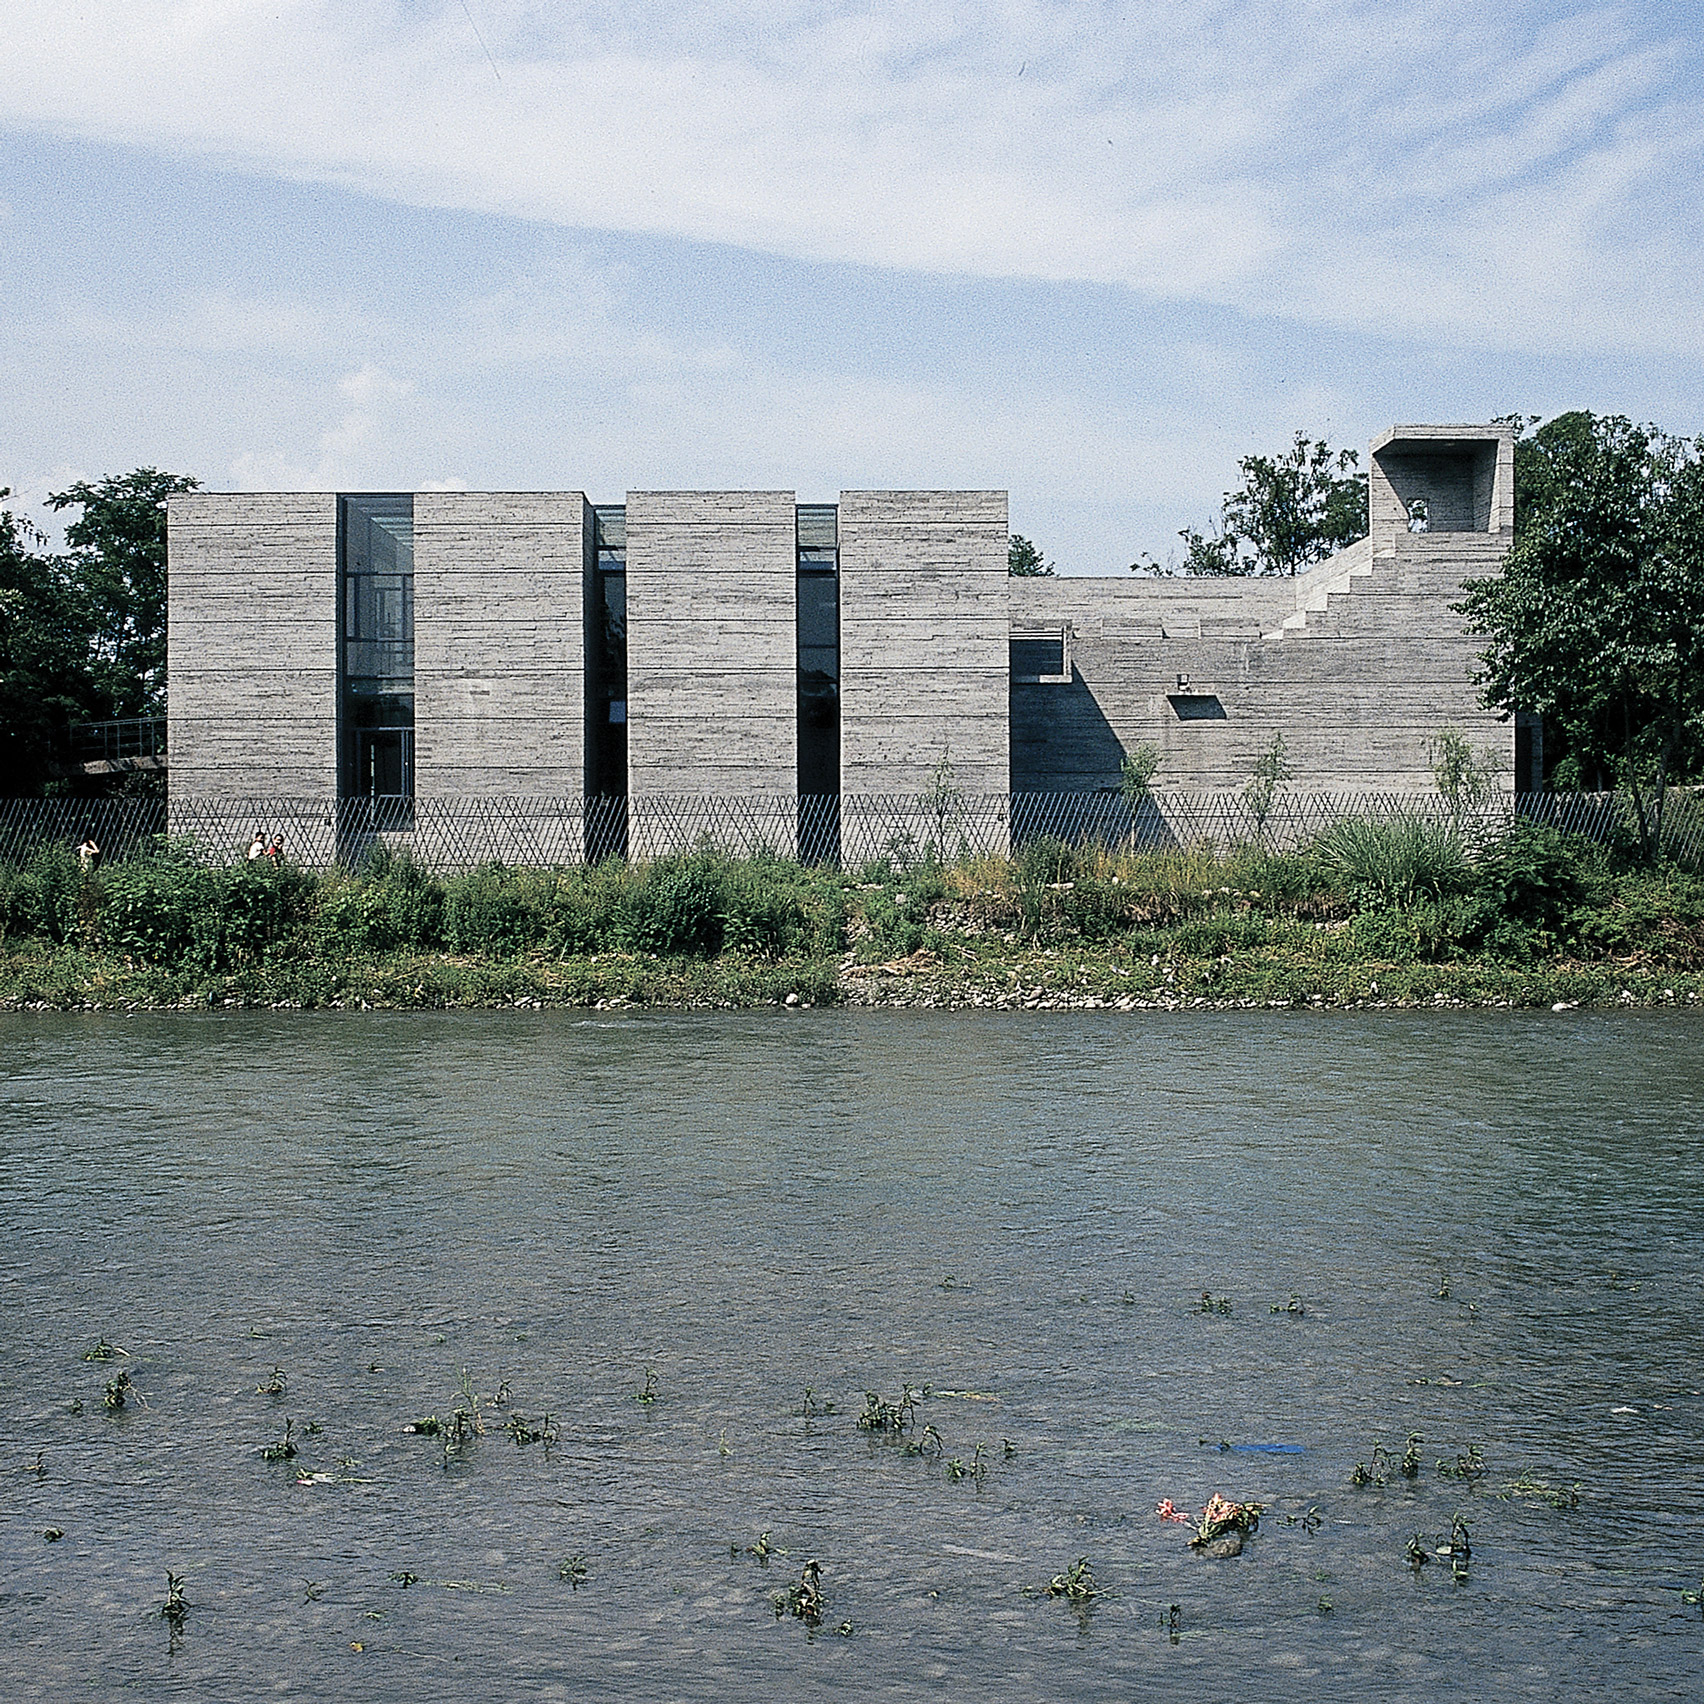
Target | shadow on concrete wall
(1061,740)
(1067,758)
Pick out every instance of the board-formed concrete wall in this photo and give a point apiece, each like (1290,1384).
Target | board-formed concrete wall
(1358,664)
(499,645)
(251,649)
(924,647)
(924,626)
(712,651)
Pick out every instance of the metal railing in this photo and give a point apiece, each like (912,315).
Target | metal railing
(111,742)
(460,833)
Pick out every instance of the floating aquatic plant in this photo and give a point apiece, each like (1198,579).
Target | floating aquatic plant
(285,1448)
(1077,1583)
(892,1418)
(1457,1549)
(573,1570)
(1378,1473)
(524,1432)
(1293,1306)
(1469,1464)
(804,1599)
(648,1395)
(1409,1466)
(53,1534)
(274,1385)
(175,1610)
(119,1390)
(101,1350)
(1557,1496)
(1211,1304)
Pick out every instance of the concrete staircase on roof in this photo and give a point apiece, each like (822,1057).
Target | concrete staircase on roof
(1420,563)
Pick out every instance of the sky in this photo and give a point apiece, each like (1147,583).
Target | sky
(1086,253)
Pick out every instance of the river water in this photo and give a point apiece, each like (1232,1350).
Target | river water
(1019,1213)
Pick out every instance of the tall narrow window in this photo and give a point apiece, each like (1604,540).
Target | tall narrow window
(606,687)
(819,683)
(376,562)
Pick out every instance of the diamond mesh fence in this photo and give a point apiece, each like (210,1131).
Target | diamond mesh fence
(452,834)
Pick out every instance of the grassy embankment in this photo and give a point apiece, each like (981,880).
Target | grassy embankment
(1403,914)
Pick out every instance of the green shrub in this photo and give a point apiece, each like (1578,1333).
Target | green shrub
(162,910)
(894,925)
(1535,876)
(1222,932)
(262,907)
(47,897)
(489,911)
(676,907)
(778,910)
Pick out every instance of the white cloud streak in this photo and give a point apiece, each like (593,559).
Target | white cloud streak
(1524,177)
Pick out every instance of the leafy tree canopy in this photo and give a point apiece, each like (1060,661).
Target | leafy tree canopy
(119,563)
(1597,619)
(1290,511)
(1025,559)
(44,681)
(82,632)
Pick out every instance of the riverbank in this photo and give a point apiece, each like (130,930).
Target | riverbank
(1374,915)
(64,979)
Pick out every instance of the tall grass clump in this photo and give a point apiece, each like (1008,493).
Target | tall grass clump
(1395,861)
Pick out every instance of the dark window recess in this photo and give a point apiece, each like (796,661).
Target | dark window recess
(1197,706)
(606,685)
(1034,657)
(375,547)
(819,683)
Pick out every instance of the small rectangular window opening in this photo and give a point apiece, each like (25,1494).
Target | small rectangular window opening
(1197,706)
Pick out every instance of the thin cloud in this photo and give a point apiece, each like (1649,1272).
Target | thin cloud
(1515,178)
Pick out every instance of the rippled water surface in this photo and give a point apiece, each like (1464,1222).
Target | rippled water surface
(1020,1213)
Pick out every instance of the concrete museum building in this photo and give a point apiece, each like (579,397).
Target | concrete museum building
(736,645)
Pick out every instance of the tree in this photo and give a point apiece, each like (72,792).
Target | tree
(1597,619)
(1290,511)
(44,676)
(118,559)
(1025,559)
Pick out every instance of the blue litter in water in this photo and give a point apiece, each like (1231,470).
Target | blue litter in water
(1266,1449)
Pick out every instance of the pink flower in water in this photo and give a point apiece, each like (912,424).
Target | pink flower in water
(1167,1510)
